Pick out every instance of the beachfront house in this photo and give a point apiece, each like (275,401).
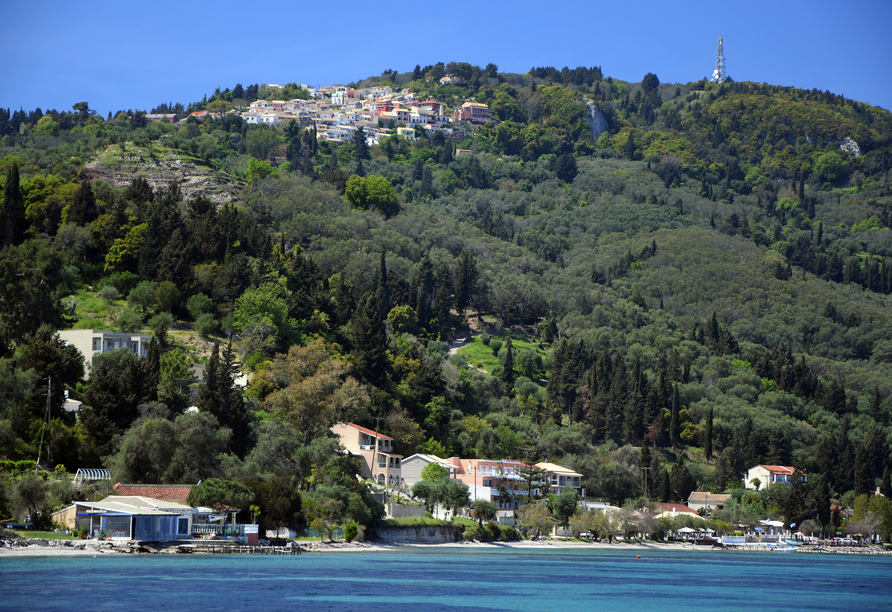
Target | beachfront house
(127,517)
(376,450)
(560,478)
(703,500)
(414,465)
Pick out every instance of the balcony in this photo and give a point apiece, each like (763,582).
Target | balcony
(217,530)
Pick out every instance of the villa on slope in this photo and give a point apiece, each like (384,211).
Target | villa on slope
(767,475)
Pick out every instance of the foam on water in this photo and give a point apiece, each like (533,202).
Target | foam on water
(452,580)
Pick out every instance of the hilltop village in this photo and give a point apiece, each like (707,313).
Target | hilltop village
(336,112)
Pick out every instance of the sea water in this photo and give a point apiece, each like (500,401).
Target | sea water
(451,580)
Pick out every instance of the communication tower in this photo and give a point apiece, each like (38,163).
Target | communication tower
(718,75)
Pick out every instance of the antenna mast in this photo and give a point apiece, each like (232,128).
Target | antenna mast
(46,419)
(718,75)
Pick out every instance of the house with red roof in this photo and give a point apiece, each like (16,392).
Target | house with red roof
(376,451)
(168,493)
(670,510)
(767,475)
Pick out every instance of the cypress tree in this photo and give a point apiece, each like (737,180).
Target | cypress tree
(665,487)
(864,484)
(10,219)
(466,277)
(707,445)
(675,421)
(152,368)
(219,396)
(381,291)
(369,339)
(886,484)
(82,210)
(360,146)
(508,367)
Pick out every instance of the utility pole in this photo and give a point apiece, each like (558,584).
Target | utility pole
(375,454)
(646,498)
(46,418)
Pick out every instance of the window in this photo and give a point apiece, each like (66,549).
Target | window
(183,526)
(382,461)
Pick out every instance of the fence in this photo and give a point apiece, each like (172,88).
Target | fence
(231,530)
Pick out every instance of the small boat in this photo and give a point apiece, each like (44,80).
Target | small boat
(784,549)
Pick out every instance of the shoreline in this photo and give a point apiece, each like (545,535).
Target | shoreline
(77,548)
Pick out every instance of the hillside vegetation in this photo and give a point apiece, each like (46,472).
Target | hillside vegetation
(703,287)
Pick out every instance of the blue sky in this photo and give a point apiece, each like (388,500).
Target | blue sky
(120,55)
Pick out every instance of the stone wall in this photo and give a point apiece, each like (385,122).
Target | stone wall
(420,534)
(401,510)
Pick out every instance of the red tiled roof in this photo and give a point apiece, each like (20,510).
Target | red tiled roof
(368,431)
(165,492)
(668,507)
(380,452)
(779,469)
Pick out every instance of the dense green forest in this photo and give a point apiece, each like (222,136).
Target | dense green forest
(702,287)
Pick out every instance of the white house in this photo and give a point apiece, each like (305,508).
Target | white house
(414,465)
(707,501)
(92,341)
(767,475)
(560,477)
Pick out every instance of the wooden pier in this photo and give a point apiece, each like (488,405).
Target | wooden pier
(221,548)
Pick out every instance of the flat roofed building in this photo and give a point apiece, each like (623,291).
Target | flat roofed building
(92,341)
(130,517)
(560,477)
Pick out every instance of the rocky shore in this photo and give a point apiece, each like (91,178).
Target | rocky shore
(40,547)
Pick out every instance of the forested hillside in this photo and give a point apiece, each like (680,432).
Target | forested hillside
(702,287)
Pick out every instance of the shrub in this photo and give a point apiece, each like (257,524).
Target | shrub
(206,325)
(199,304)
(124,282)
(159,324)
(496,345)
(167,297)
(350,532)
(109,293)
(142,296)
(129,321)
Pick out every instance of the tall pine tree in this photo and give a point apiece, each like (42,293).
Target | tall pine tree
(219,396)
(12,213)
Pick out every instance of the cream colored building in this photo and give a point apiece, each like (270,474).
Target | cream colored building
(376,450)
(768,475)
(707,501)
(560,478)
(92,341)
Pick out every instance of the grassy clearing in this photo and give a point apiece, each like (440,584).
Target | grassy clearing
(480,355)
(45,535)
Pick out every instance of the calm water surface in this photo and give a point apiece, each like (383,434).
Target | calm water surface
(442,580)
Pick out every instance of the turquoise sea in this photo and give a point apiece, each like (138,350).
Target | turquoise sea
(451,580)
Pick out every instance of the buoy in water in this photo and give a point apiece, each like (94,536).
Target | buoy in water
(637,556)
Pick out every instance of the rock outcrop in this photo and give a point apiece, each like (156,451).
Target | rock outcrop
(596,120)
